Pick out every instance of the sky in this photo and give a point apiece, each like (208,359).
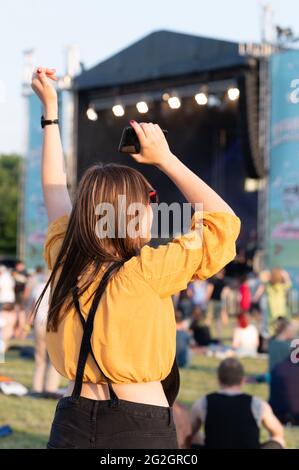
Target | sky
(101,28)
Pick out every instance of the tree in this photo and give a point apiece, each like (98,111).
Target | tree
(10,192)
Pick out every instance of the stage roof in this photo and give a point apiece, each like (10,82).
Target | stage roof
(162,54)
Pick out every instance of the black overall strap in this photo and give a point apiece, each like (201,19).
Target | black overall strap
(83,322)
(87,325)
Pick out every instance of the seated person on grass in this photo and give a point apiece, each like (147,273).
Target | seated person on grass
(232,419)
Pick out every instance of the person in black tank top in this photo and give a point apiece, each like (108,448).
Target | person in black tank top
(231,418)
(230,423)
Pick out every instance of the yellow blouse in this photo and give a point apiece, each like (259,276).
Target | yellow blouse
(134,336)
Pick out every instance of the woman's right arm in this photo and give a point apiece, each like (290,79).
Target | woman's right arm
(54,182)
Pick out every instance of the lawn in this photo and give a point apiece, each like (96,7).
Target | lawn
(31,418)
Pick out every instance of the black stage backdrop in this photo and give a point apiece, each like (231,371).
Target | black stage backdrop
(207,139)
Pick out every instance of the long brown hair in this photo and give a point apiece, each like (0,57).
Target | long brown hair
(82,251)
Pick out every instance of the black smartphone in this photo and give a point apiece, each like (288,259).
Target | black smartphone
(129,142)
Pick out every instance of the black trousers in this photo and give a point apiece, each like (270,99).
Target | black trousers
(105,424)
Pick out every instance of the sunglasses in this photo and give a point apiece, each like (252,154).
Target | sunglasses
(153,196)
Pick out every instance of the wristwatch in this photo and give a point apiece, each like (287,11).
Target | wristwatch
(45,122)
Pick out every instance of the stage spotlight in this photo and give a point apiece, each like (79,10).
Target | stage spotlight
(165,96)
(174,102)
(251,185)
(142,107)
(213,101)
(233,94)
(118,110)
(201,99)
(92,114)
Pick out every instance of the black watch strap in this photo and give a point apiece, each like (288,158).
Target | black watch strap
(45,122)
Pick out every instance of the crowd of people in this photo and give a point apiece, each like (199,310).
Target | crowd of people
(236,316)
(256,306)
(253,303)
(19,291)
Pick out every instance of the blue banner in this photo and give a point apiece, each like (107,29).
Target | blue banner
(34,216)
(283,188)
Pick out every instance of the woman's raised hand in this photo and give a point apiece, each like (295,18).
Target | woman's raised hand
(154,147)
(42,86)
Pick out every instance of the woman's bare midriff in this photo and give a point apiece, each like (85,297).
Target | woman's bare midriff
(150,393)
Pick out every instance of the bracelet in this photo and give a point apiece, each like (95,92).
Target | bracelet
(45,122)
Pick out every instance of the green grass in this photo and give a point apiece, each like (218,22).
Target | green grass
(31,418)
